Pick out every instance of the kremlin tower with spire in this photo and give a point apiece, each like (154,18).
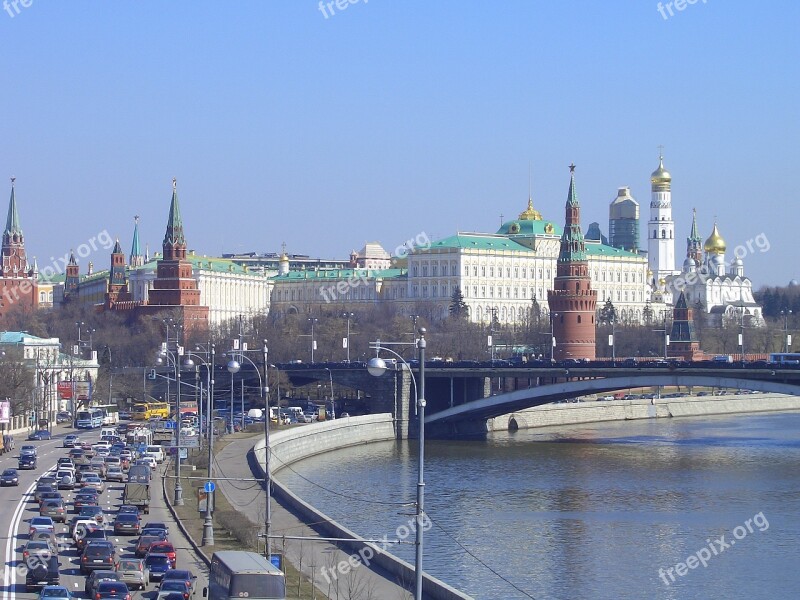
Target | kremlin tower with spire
(18,281)
(572,300)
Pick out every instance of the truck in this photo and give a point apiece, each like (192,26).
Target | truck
(139,474)
(137,494)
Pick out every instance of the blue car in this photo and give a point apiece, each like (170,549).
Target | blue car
(42,434)
(157,564)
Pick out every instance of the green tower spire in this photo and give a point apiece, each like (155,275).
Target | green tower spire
(573,245)
(12,221)
(174,235)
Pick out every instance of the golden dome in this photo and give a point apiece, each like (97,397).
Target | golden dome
(715,244)
(284,257)
(660,175)
(530,213)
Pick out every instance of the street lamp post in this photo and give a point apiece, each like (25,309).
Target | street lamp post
(787,339)
(233,368)
(612,340)
(377,366)
(268,482)
(313,321)
(175,358)
(208,523)
(348,316)
(333,403)
(552,336)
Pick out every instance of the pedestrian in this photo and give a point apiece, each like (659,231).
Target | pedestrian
(12,443)
(6,443)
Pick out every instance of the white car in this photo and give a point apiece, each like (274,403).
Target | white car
(157,452)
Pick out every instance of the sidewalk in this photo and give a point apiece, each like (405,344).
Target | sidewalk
(248,498)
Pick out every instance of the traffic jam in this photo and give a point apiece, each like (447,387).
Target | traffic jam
(89,534)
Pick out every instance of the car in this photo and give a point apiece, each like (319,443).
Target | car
(157,565)
(112,590)
(66,479)
(85,498)
(115,474)
(149,461)
(49,493)
(172,587)
(75,452)
(167,548)
(9,477)
(41,572)
(41,524)
(28,450)
(160,525)
(97,554)
(92,512)
(126,523)
(133,572)
(90,535)
(128,508)
(37,548)
(144,542)
(94,579)
(55,592)
(188,578)
(93,481)
(54,509)
(41,434)
(63,417)
(27,462)
(80,526)
(99,465)
(70,440)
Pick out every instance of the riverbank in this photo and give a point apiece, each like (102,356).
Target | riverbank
(354,563)
(593,411)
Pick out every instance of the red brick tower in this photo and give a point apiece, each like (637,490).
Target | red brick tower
(572,301)
(174,285)
(117,279)
(18,282)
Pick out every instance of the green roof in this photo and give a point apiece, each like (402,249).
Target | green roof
(326,274)
(529,227)
(480,242)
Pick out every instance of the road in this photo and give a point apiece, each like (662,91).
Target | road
(17,507)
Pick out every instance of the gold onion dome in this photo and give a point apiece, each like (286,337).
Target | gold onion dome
(660,175)
(530,213)
(715,244)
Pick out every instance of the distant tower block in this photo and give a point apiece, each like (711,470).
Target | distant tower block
(572,300)
(623,221)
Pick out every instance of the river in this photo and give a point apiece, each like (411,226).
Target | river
(597,511)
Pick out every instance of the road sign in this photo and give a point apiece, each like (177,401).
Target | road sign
(209,487)
(189,441)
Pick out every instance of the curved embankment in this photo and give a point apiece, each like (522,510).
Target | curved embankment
(549,415)
(298,443)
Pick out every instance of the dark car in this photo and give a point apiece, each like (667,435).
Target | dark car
(90,511)
(53,509)
(128,508)
(97,554)
(167,548)
(126,523)
(112,590)
(95,578)
(84,498)
(27,462)
(41,572)
(63,417)
(92,536)
(9,477)
(42,434)
(157,525)
(156,565)
(144,542)
(188,578)
(44,488)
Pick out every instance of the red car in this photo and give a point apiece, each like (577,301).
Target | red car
(164,548)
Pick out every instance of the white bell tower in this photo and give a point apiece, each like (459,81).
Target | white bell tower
(661,227)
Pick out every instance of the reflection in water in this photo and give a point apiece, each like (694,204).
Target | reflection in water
(589,511)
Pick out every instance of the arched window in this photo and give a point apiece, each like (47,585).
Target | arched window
(663,234)
(579,319)
(655,233)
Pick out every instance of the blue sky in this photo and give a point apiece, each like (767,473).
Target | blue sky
(392,118)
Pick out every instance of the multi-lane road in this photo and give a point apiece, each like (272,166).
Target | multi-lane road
(17,507)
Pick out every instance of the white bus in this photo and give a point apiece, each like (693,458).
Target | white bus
(236,574)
